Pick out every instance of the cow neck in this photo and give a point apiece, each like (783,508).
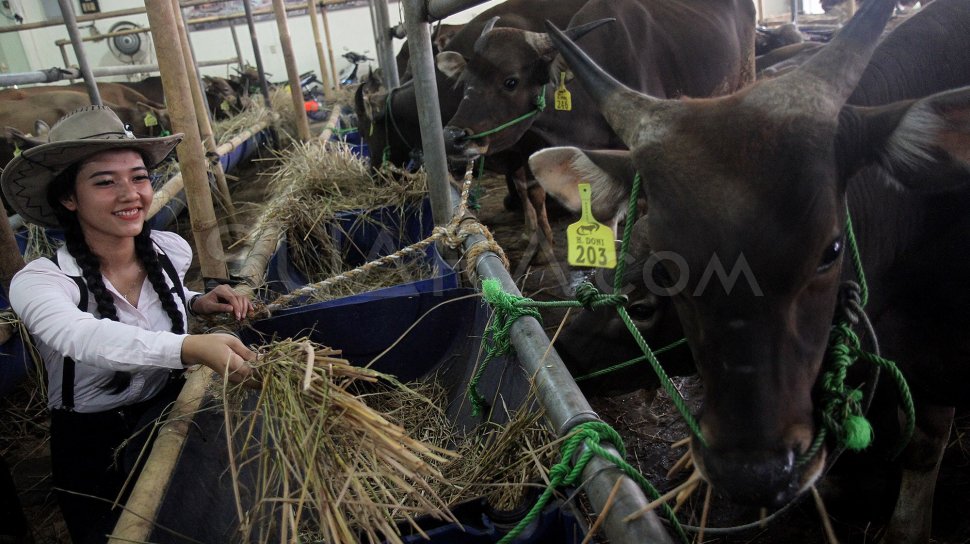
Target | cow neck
(540,106)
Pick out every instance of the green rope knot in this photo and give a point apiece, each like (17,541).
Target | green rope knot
(569,470)
(590,297)
(507,309)
(842,406)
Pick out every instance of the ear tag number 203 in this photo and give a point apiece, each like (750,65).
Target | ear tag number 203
(590,242)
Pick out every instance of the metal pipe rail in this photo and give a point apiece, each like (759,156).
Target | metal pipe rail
(59,74)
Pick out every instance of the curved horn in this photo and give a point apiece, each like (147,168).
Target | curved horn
(840,63)
(542,44)
(489,25)
(624,109)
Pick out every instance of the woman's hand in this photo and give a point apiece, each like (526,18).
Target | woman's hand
(223,353)
(223,299)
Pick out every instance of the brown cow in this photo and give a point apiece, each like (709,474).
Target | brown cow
(761,181)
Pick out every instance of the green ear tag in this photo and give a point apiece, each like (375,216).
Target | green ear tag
(590,242)
(151,120)
(564,100)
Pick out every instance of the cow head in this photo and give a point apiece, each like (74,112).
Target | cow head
(747,205)
(223,100)
(509,72)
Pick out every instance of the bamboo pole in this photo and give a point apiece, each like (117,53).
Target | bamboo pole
(293,74)
(245,135)
(263,85)
(202,111)
(165,193)
(137,519)
(326,34)
(318,42)
(191,153)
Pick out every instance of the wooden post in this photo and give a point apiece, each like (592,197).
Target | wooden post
(302,125)
(326,34)
(202,110)
(318,42)
(191,153)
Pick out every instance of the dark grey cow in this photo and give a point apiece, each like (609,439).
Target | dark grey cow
(666,48)
(762,180)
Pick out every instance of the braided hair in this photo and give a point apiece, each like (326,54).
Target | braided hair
(61,188)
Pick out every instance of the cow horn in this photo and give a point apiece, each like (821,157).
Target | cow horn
(840,63)
(489,25)
(542,44)
(624,109)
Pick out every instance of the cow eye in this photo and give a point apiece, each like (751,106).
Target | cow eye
(511,83)
(830,256)
(641,311)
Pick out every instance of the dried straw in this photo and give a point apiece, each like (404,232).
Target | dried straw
(348,454)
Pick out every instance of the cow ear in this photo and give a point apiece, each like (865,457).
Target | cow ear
(560,170)
(41,128)
(557,67)
(451,63)
(925,143)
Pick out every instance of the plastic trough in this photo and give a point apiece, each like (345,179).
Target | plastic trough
(445,341)
(363,237)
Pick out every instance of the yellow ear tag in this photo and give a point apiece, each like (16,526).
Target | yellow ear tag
(564,100)
(224,106)
(150,120)
(590,242)
(16,150)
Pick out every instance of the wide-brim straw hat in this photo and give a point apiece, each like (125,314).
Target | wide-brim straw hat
(80,134)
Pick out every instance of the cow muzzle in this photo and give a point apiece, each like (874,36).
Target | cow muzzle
(768,479)
(459,146)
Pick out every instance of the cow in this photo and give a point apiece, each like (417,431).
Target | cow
(664,48)
(151,87)
(115,93)
(763,180)
(224,97)
(24,113)
(768,39)
(388,121)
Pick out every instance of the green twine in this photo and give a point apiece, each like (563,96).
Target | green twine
(566,473)
(540,106)
(631,362)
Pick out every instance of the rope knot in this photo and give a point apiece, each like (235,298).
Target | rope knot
(849,303)
(590,297)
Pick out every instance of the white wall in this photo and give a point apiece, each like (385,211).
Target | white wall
(350,30)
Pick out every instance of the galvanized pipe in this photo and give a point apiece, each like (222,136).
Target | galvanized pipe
(70,21)
(106,35)
(429,117)
(81,19)
(385,48)
(565,407)
(40,76)
(439,9)
(263,85)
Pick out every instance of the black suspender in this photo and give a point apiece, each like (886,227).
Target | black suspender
(67,376)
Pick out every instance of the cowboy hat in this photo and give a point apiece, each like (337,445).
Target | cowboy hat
(80,134)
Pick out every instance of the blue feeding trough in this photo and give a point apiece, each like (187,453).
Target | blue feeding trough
(15,361)
(346,132)
(427,334)
(363,237)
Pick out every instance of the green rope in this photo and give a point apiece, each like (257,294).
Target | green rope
(567,473)
(540,106)
(631,362)
(856,259)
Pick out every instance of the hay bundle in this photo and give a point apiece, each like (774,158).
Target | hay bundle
(336,465)
(351,453)
(314,182)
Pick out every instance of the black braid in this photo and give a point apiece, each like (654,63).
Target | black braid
(145,251)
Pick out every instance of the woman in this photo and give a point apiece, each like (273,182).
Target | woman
(108,313)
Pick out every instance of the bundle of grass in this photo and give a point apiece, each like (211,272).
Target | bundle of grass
(347,454)
(331,467)
(314,183)
(39,244)
(256,112)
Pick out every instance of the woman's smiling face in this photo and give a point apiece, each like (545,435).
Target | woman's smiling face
(112,195)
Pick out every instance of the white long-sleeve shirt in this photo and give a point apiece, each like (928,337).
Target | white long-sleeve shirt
(46,299)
